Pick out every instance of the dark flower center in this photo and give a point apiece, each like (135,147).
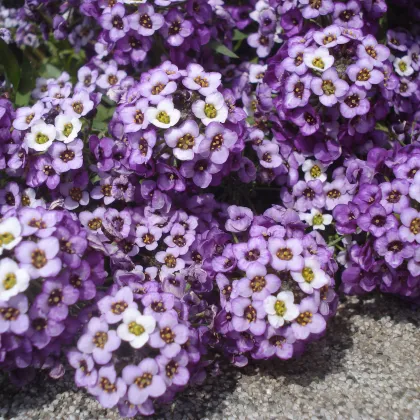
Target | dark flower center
(217,142)
(304,318)
(100,339)
(201,166)
(334,194)
(9,314)
(363,75)
(299,90)
(88,80)
(118,308)
(202,81)
(175,27)
(145,21)
(117,22)
(411,174)
(309,193)
(10,199)
(371,51)
(394,196)
(252,255)
(415,226)
(157,89)
(107,386)
(299,59)
(171,369)
(39,259)
(144,380)
(39,324)
(76,281)
(379,221)
(106,190)
(328,87)
(158,307)
(284,254)
(148,238)
(138,117)
(309,118)
(75,193)
(170,261)
(56,296)
(315,4)
(277,340)
(95,223)
(48,170)
(112,79)
(77,107)
(167,335)
(186,142)
(250,313)
(67,156)
(66,246)
(346,15)
(267,157)
(258,283)
(395,246)
(264,40)
(179,240)
(352,101)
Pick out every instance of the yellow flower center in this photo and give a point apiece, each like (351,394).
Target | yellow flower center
(9,281)
(136,329)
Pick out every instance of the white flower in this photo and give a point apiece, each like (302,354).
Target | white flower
(10,231)
(256,73)
(67,128)
(280,308)
(29,198)
(316,219)
(319,59)
(41,136)
(164,115)
(136,328)
(13,279)
(403,66)
(314,169)
(213,109)
(311,277)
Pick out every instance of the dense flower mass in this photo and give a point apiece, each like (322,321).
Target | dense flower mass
(186,181)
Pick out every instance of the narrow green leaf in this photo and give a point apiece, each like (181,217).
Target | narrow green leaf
(49,71)
(10,64)
(238,35)
(222,49)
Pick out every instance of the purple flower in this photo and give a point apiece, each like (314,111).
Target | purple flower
(393,248)
(113,307)
(354,103)
(13,316)
(348,15)
(174,370)
(157,87)
(85,374)
(79,105)
(248,316)
(329,87)
(337,192)
(345,216)
(277,341)
(109,388)
(297,91)
(41,171)
(115,22)
(197,79)
(26,117)
(257,283)
(55,299)
(240,218)
(201,170)
(309,320)
(217,143)
(143,381)
(38,222)
(169,336)
(176,28)
(254,252)
(309,195)
(146,21)
(263,43)
(363,74)
(376,221)
(313,9)
(157,304)
(40,259)
(42,328)
(66,156)
(307,119)
(184,140)
(286,254)
(330,37)
(99,341)
(410,229)
(141,143)
(371,49)
(394,195)
(133,116)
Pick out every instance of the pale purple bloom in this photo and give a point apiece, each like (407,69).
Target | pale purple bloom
(253,252)
(248,316)
(157,87)
(309,195)
(394,195)
(13,316)
(197,79)
(38,221)
(66,156)
(99,341)
(313,9)
(410,229)
(176,28)
(85,373)
(115,21)
(297,90)
(201,170)
(143,381)
(309,321)
(240,218)
(354,103)
(363,74)
(393,248)
(113,307)
(286,254)
(146,21)
(376,221)
(184,140)
(174,370)
(39,259)
(330,37)
(329,87)
(371,49)
(347,14)
(133,116)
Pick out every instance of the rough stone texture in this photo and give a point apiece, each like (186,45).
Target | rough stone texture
(367,367)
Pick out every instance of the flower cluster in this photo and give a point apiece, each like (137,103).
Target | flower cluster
(275,283)
(46,270)
(383,221)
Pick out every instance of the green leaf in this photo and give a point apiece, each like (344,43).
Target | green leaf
(50,71)
(238,35)
(102,118)
(27,81)
(222,49)
(10,64)
(22,99)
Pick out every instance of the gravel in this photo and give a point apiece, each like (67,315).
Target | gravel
(367,367)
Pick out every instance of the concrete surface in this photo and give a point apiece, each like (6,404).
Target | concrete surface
(367,367)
